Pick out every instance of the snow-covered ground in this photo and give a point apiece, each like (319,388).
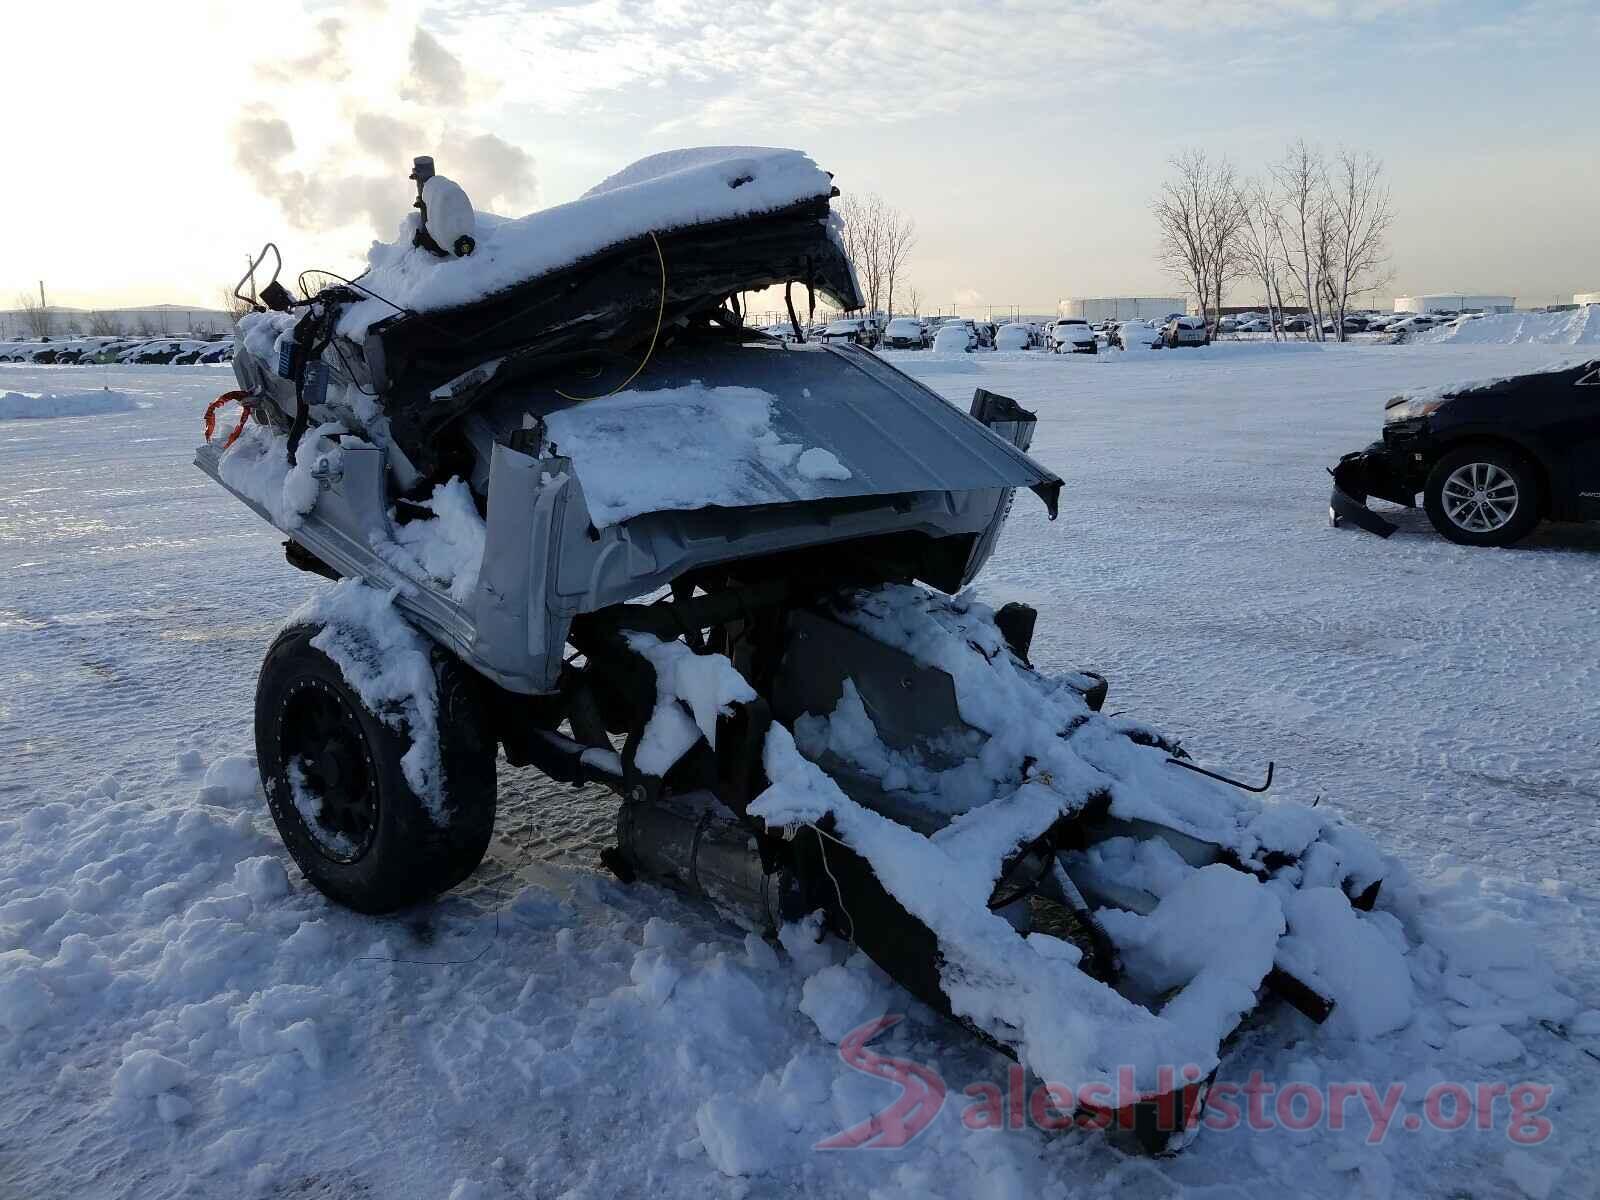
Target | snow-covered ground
(181,1015)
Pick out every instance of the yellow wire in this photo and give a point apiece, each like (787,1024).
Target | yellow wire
(661,312)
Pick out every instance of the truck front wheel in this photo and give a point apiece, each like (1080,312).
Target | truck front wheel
(338,791)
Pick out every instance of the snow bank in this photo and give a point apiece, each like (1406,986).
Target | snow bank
(685,448)
(16,406)
(1578,327)
(663,192)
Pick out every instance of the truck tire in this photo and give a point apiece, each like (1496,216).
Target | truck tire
(338,795)
(1483,496)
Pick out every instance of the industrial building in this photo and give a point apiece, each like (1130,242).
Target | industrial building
(157,320)
(1587,298)
(1454,302)
(1114,308)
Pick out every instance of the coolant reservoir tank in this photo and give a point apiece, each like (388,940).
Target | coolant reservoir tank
(451,223)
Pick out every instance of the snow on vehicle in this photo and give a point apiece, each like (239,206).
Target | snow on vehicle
(726,577)
(955,337)
(905,333)
(857,331)
(1014,336)
(1072,335)
(1490,459)
(1186,331)
(1135,335)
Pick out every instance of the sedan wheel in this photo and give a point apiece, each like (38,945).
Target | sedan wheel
(1480,497)
(1483,496)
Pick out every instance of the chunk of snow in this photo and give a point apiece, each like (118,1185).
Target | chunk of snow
(232,779)
(1214,936)
(445,549)
(806,946)
(172,1108)
(25,1001)
(1534,1179)
(692,691)
(261,878)
(845,997)
(145,1073)
(257,467)
(817,463)
(1360,969)
(1486,1045)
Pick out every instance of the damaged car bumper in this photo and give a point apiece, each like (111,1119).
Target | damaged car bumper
(1366,473)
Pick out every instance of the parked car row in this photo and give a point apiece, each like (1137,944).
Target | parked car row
(118,350)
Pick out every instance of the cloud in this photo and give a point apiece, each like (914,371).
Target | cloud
(317,146)
(327,61)
(491,169)
(387,138)
(437,76)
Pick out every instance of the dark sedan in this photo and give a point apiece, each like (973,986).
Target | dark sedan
(1490,460)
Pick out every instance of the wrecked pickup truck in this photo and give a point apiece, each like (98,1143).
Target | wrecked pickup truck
(1489,459)
(581,515)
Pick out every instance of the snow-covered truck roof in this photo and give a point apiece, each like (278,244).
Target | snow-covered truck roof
(656,246)
(664,192)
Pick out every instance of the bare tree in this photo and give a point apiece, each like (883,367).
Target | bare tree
(914,300)
(878,239)
(1260,241)
(1359,213)
(1300,178)
(862,217)
(1180,212)
(1224,225)
(103,324)
(36,318)
(233,306)
(899,237)
(1199,217)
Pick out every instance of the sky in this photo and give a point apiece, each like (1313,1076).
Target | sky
(1025,140)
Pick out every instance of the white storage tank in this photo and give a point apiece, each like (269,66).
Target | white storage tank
(1120,308)
(1454,302)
